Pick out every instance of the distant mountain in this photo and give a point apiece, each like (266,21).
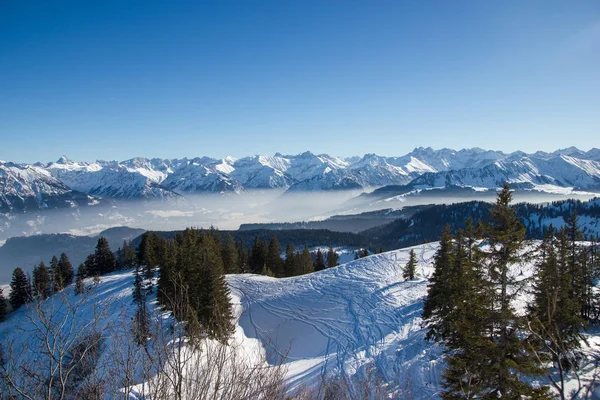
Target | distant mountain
(556,173)
(129,180)
(29,188)
(56,184)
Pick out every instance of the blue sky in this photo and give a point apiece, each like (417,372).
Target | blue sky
(113,80)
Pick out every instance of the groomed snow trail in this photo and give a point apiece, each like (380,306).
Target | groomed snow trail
(358,318)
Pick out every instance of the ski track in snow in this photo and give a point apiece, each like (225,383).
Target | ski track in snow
(346,320)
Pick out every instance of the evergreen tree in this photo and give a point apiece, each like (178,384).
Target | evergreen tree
(103,261)
(274,260)
(2,306)
(20,289)
(305,265)
(141,325)
(65,270)
(243,266)
(332,257)
(126,256)
(258,255)
(509,358)
(411,266)
(56,278)
(230,254)
(437,305)
(289,265)
(555,319)
(147,253)
(319,261)
(42,286)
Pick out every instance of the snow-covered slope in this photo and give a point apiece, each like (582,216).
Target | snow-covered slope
(360,321)
(112,179)
(28,188)
(202,175)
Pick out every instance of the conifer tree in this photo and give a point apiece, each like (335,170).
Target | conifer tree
(2,306)
(509,358)
(289,265)
(437,305)
(411,266)
(243,266)
(555,321)
(65,270)
(230,254)
(104,261)
(305,264)
(126,256)
(332,257)
(42,286)
(258,255)
(147,253)
(319,261)
(20,289)
(274,261)
(56,279)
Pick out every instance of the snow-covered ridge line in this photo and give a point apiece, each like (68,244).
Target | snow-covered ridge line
(420,169)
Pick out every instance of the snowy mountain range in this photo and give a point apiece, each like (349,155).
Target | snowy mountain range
(53,184)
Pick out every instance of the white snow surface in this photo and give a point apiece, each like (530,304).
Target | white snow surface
(357,317)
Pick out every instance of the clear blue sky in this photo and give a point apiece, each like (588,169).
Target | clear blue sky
(117,79)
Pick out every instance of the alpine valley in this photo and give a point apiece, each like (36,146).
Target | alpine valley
(66,183)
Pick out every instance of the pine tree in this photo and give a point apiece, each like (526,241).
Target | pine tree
(147,254)
(411,266)
(20,289)
(2,306)
(141,325)
(229,253)
(42,286)
(332,257)
(243,266)
(65,270)
(555,319)
(81,274)
(319,264)
(55,275)
(305,265)
(258,255)
(508,357)
(126,256)
(437,305)
(105,261)
(274,260)
(289,265)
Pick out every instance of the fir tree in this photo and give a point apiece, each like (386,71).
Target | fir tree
(332,257)
(319,261)
(555,320)
(243,266)
(42,286)
(147,254)
(289,265)
(81,274)
(508,358)
(437,305)
(65,270)
(274,260)
(103,260)
(230,254)
(56,278)
(258,255)
(20,289)
(2,306)
(126,256)
(305,265)
(411,266)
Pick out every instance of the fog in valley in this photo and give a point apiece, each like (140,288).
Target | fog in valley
(226,212)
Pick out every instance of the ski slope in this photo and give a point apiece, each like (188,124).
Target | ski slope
(356,320)
(359,322)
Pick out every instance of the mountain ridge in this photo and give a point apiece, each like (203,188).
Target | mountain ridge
(422,168)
